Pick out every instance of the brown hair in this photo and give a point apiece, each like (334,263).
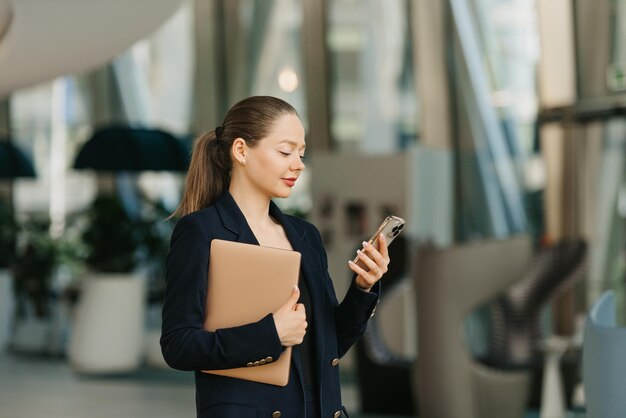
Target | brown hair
(208,176)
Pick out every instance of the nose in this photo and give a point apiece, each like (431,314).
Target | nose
(298,164)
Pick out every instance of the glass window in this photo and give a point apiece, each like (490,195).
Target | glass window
(509,39)
(495,55)
(373,98)
(269,61)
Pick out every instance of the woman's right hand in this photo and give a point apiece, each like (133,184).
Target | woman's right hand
(290,320)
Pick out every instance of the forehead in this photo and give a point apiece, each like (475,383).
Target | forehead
(286,128)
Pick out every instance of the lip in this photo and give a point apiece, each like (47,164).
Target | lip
(290,181)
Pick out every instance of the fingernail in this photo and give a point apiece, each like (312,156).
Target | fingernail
(365,243)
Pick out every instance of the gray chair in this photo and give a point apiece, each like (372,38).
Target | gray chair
(450,284)
(516,331)
(515,315)
(604,360)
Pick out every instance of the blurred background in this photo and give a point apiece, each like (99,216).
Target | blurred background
(496,128)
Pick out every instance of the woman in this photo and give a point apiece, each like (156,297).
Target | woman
(255,155)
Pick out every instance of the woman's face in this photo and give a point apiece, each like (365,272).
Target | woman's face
(274,165)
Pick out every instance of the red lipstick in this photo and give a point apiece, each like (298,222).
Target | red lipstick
(290,181)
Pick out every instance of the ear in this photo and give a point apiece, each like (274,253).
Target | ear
(239,150)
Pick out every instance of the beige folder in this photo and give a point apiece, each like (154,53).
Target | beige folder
(246,282)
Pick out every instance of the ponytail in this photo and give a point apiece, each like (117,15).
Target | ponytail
(208,176)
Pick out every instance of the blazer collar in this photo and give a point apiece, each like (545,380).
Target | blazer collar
(234,220)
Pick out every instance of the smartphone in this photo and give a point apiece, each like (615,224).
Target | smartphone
(390,228)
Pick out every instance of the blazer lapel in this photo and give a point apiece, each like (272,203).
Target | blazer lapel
(311,270)
(234,220)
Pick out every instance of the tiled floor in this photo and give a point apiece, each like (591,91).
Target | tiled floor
(33,387)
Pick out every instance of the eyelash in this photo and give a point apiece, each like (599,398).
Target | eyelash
(287,154)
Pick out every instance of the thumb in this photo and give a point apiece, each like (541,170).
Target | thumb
(293,299)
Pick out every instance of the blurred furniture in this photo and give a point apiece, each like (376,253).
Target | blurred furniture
(13,162)
(452,282)
(122,148)
(552,394)
(517,336)
(516,328)
(115,239)
(384,377)
(604,360)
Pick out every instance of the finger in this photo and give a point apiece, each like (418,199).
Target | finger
(375,255)
(369,263)
(382,247)
(300,308)
(293,299)
(358,270)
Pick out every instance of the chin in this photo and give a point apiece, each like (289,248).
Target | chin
(282,193)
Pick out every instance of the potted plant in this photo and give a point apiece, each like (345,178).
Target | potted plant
(108,332)
(32,269)
(8,231)
(111,237)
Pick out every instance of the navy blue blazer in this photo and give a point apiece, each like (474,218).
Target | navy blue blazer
(187,346)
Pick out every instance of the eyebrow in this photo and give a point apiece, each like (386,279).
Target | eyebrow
(294,143)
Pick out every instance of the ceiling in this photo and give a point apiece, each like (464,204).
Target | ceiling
(43,39)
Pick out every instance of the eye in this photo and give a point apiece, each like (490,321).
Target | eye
(302,158)
(286,154)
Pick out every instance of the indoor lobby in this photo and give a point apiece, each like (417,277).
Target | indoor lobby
(496,129)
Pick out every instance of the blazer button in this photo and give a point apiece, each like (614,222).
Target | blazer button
(337,414)
(250,364)
(262,361)
(334,362)
(276,414)
(268,359)
(256,363)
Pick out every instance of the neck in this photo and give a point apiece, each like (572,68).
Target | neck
(255,207)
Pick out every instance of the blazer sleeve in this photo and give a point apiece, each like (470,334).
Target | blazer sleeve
(352,314)
(184,342)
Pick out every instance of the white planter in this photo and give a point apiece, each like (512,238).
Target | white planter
(154,357)
(108,332)
(7,308)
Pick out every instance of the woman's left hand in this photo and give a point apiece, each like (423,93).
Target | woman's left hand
(374,260)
